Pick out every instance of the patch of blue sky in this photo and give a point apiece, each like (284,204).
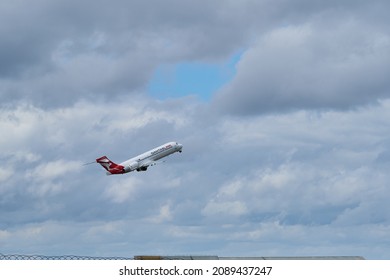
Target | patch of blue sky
(192,78)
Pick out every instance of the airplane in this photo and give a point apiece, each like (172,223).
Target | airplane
(140,162)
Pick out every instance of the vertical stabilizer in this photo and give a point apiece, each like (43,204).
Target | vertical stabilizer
(111,167)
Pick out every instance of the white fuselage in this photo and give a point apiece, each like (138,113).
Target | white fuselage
(150,157)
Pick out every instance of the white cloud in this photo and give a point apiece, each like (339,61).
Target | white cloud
(5,174)
(123,190)
(228,208)
(164,215)
(54,169)
(97,232)
(4,234)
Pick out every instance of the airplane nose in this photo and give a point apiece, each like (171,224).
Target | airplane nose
(179,147)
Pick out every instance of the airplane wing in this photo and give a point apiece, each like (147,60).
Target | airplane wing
(144,165)
(148,163)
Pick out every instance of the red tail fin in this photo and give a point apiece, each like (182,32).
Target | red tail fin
(110,166)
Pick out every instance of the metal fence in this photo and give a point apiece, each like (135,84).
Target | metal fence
(41,257)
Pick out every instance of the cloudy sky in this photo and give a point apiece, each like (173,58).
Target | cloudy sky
(283,108)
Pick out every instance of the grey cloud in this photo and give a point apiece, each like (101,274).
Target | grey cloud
(310,67)
(57,53)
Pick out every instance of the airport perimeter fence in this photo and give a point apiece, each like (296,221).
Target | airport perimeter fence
(41,257)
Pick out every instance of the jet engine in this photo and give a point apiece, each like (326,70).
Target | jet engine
(126,169)
(142,168)
(133,166)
